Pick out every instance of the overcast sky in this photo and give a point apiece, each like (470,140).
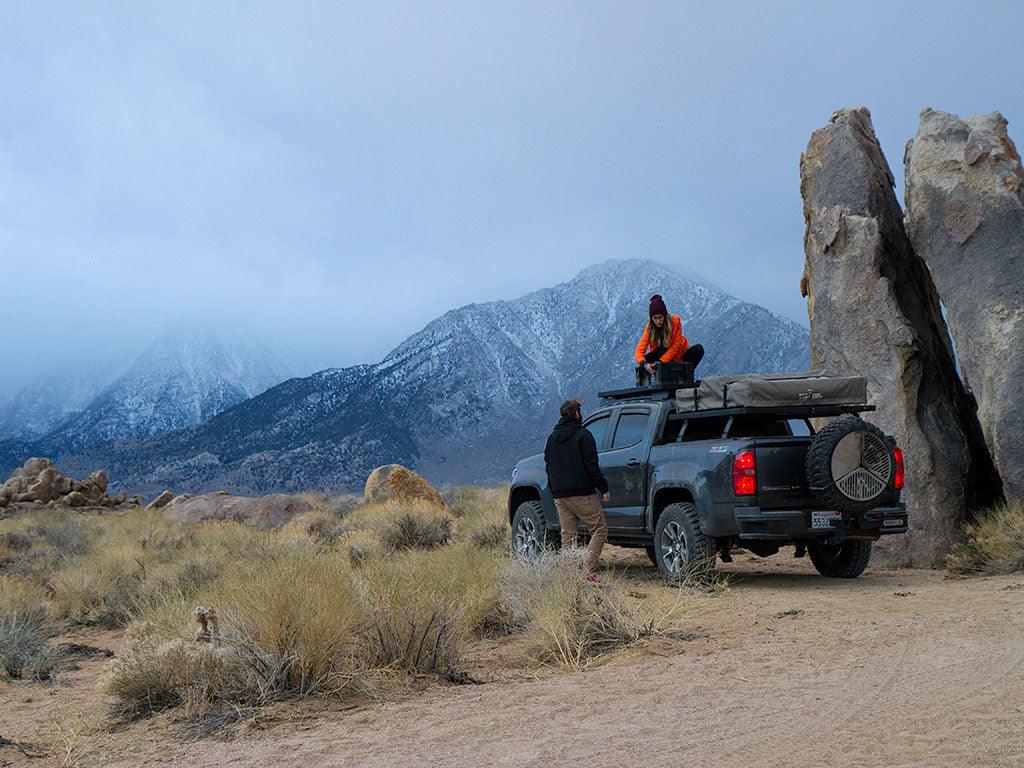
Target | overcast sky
(335,175)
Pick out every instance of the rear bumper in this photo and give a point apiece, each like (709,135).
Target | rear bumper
(789,524)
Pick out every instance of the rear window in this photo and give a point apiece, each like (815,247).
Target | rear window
(768,426)
(710,428)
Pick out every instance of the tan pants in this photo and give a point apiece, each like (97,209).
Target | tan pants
(571,510)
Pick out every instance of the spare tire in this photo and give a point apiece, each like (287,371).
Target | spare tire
(849,465)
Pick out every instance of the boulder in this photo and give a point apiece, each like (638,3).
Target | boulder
(76,499)
(965,217)
(161,501)
(265,512)
(874,312)
(393,481)
(38,481)
(97,481)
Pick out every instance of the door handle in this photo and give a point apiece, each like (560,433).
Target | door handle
(633,463)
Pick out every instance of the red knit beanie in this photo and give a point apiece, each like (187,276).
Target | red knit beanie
(658,306)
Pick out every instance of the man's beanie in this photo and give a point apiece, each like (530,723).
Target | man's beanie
(658,306)
(569,408)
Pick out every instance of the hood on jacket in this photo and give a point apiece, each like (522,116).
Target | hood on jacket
(566,428)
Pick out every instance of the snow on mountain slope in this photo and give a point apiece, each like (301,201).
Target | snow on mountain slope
(45,402)
(462,399)
(183,378)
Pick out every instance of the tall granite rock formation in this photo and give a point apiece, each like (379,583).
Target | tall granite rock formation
(965,217)
(874,312)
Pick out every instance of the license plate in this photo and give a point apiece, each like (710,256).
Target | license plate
(824,519)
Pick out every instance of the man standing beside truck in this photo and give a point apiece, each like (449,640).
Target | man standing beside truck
(570,459)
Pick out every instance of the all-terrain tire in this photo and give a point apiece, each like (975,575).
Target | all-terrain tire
(530,533)
(859,453)
(679,543)
(844,561)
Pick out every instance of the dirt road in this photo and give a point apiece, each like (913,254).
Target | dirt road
(897,668)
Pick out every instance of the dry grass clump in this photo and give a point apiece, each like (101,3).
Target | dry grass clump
(481,515)
(703,577)
(25,629)
(570,620)
(38,542)
(994,543)
(289,626)
(425,606)
(404,524)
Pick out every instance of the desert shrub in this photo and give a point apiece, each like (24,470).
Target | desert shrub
(38,542)
(290,621)
(294,619)
(150,675)
(468,500)
(993,543)
(404,524)
(25,629)
(570,620)
(426,605)
(703,577)
(360,546)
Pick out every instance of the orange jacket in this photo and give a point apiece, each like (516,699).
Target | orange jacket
(677,344)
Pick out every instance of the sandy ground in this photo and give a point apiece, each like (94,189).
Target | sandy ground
(897,668)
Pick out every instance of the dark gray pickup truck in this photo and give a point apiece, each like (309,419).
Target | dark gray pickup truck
(692,480)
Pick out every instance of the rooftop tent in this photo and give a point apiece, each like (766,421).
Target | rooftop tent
(773,390)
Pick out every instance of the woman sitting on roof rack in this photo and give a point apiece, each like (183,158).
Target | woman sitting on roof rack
(663,342)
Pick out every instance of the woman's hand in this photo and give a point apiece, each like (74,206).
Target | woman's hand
(649,367)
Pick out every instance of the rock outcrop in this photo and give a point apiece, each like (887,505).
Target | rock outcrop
(38,481)
(965,217)
(874,312)
(393,481)
(264,512)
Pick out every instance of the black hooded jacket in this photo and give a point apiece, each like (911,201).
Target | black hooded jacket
(570,458)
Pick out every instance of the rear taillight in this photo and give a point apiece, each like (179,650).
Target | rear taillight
(898,476)
(744,474)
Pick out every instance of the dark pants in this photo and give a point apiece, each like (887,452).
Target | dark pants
(694,354)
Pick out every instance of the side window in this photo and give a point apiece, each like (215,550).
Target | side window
(630,430)
(710,428)
(597,428)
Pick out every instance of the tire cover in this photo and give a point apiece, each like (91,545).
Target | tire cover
(849,465)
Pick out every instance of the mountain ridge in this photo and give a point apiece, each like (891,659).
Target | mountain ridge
(461,398)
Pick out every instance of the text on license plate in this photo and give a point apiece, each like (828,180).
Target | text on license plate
(824,519)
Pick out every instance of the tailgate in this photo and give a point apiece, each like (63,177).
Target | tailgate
(781,473)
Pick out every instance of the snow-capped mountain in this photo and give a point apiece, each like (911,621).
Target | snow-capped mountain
(462,399)
(45,402)
(183,378)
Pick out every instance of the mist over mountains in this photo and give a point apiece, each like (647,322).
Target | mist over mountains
(183,378)
(460,401)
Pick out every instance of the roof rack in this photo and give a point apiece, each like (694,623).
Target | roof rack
(653,392)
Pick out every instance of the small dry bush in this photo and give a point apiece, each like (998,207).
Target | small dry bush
(703,577)
(482,515)
(37,542)
(570,620)
(994,543)
(425,606)
(25,629)
(360,546)
(290,623)
(404,524)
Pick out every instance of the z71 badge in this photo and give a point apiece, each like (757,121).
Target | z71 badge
(719,449)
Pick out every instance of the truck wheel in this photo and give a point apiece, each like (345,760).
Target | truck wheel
(679,543)
(841,561)
(849,465)
(530,534)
